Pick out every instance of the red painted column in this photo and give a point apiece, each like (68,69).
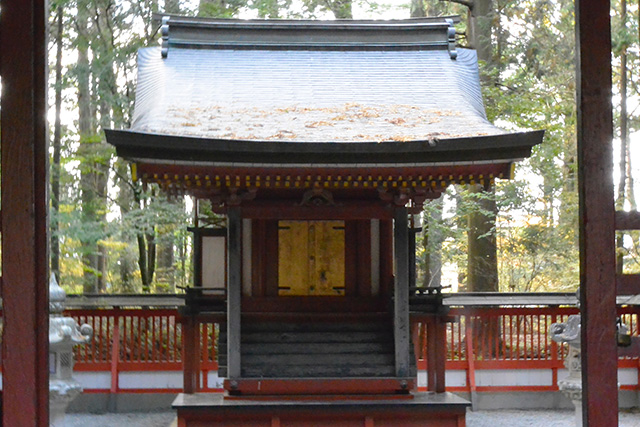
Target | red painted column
(190,353)
(597,235)
(24,213)
(432,344)
(115,356)
(441,354)
(436,354)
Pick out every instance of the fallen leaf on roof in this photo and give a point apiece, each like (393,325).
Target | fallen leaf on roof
(344,122)
(401,138)
(397,121)
(283,135)
(317,124)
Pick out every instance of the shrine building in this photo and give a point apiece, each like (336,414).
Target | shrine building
(317,140)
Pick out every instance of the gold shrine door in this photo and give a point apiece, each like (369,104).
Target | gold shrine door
(311,258)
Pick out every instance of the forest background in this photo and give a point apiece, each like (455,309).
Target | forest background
(110,234)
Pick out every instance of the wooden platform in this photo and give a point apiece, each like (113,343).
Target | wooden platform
(424,409)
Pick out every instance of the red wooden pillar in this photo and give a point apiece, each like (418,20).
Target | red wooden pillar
(115,356)
(190,354)
(24,213)
(436,354)
(597,235)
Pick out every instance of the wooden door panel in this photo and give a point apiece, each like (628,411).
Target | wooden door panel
(311,258)
(293,258)
(327,270)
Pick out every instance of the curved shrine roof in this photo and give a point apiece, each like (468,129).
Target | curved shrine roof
(312,94)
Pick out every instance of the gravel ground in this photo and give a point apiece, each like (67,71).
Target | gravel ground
(157,419)
(537,418)
(474,419)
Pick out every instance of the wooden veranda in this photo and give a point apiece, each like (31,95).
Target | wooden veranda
(23,32)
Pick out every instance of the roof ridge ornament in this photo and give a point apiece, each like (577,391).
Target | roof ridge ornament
(339,35)
(451,35)
(164,29)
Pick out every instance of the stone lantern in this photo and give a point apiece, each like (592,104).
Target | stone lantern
(569,332)
(64,334)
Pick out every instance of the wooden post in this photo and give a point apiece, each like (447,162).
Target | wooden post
(115,355)
(441,353)
(471,360)
(234,291)
(203,333)
(597,246)
(25,353)
(190,353)
(412,257)
(402,327)
(197,257)
(431,354)
(436,354)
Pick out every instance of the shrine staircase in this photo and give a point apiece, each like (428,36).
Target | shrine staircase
(342,349)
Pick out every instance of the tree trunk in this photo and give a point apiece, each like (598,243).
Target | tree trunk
(146,250)
(482,265)
(102,165)
(183,253)
(85,149)
(342,9)
(417,9)
(481,17)
(482,268)
(624,141)
(631,196)
(146,259)
(432,241)
(125,203)
(461,219)
(151,258)
(434,7)
(142,263)
(165,270)
(94,107)
(57,137)
(172,6)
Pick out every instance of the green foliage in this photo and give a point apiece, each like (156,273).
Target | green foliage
(537,228)
(102,212)
(529,83)
(631,252)
(534,255)
(271,9)
(220,8)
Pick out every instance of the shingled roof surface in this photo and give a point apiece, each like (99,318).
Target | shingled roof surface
(310,95)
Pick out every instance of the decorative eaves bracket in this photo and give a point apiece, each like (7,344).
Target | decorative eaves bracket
(232,196)
(410,197)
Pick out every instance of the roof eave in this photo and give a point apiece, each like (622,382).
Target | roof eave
(151,147)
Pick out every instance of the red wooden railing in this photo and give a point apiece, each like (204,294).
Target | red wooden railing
(502,339)
(139,340)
